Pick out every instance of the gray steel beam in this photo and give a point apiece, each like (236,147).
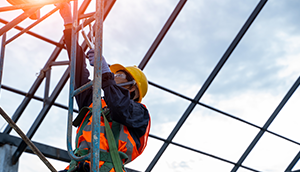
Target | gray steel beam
(35,35)
(32,25)
(2,56)
(34,87)
(42,115)
(48,151)
(34,97)
(201,152)
(27,141)
(83,6)
(18,20)
(47,85)
(207,83)
(162,34)
(221,112)
(293,163)
(267,124)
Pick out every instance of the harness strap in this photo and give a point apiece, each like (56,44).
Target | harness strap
(117,163)
(112,158)
(115,127)
(104,156)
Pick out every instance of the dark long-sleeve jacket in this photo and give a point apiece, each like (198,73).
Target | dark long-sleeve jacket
(123,110)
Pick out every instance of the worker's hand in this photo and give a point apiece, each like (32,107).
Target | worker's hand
(91,55)
(65,12)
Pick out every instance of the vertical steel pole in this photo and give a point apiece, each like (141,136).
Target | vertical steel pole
(2,56)
(95,156)
(47,85)
(72,80)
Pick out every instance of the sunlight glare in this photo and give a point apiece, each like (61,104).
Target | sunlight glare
(16,2)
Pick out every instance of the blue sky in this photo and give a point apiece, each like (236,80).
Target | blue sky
(253,81)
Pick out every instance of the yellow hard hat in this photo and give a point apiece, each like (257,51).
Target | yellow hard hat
(138,76)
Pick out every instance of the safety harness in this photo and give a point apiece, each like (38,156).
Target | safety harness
(111,159)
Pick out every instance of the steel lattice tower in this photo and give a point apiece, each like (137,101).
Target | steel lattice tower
(50,98)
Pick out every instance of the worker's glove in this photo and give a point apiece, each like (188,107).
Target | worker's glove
(91,55)
(65,12)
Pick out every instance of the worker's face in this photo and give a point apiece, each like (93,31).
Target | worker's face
(120,77)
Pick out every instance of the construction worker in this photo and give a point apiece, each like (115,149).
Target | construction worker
(127,117)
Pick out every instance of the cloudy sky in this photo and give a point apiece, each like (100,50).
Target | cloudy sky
(250,86)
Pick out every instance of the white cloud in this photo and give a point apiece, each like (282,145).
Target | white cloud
(250,86)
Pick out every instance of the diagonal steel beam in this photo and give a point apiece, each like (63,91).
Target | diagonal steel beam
(18,20)
(42,115)
(221,112)
(26,139)
(267,124)
(83,6)
(34,34)
(34,87)
(48,151)
(50,102)
(161,34)
(2,57)
(200,152)
(34,97)
(207,83)
(32,25)
(293,163)
(30,5)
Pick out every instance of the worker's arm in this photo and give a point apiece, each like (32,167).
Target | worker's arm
(123,110)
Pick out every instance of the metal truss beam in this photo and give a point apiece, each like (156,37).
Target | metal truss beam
(293,163)
(207,83)
(222,112)
(162,34)
(267,124)
(201,152)
(58,44)
(62,155)
(34,87)
(42,115)
(2,56)
(34,97)
(47,150)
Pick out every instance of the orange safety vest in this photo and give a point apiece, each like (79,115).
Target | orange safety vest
(126,143)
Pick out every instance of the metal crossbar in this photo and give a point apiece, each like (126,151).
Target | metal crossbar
(49,100)
(27,140)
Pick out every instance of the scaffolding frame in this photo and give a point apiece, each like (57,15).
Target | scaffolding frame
(49,101)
